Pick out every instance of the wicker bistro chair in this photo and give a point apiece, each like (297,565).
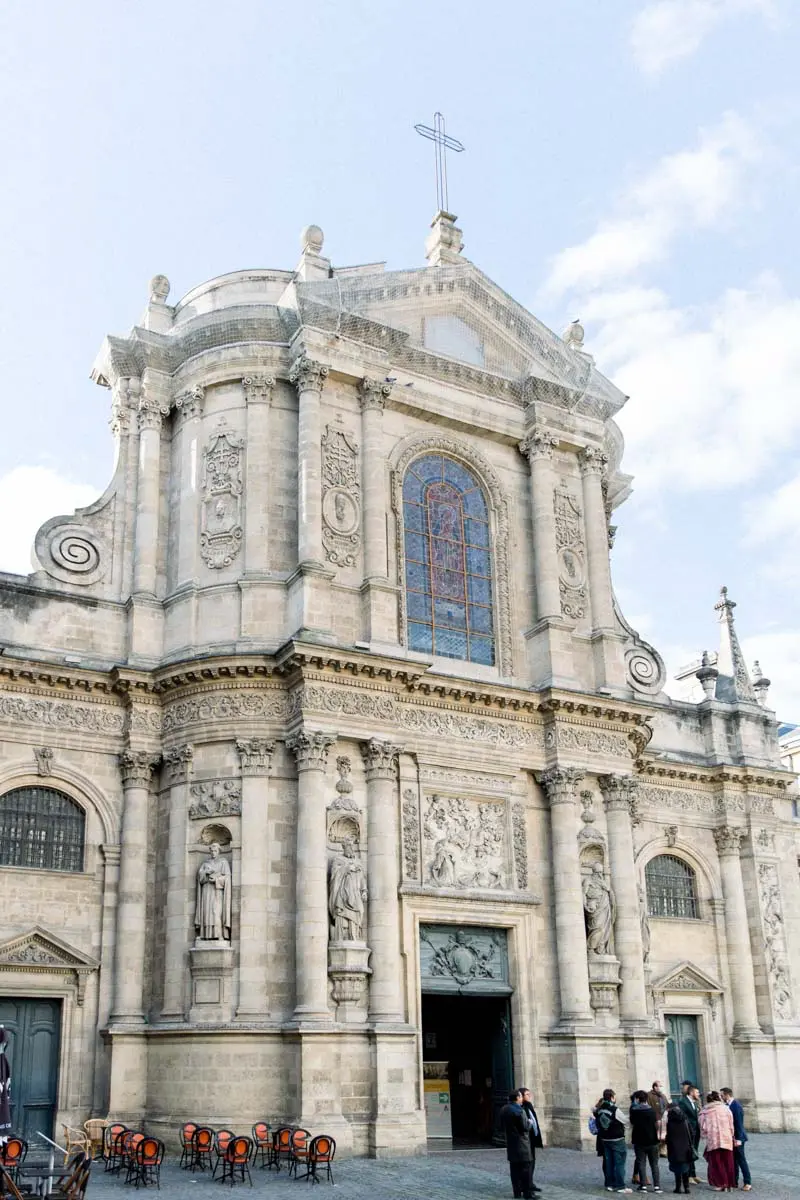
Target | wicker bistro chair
(321,1151)
(186,1135)
(298,1150)
(222,1139)
(237,1158)
(95,1130)
(262,1143)
(112,1145)
(202,1148)
(281,1147)
(149,1157)
(74,1139)
(12,1155)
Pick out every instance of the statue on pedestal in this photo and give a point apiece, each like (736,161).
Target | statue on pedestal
(599,908)
(212,914)
(347,894)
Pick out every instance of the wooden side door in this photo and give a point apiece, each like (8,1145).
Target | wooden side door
(33,1029)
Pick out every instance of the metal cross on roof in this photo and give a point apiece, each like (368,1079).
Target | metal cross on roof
(442,143)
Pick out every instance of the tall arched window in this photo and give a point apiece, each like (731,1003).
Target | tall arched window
(448,564)
(671,888)
(40,827)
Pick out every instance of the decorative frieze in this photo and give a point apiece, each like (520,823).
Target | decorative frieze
(341,497)
(591,741)
(221,512)
(216,798)
(350,702)
(463,780)
(571,552)
(254,705)
(775,942)
(255,755)
(444,724)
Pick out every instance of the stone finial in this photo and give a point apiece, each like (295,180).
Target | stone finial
(158,316)
(445,241)
(733,683)
(760,684)
(159,289)
(574,335)
(312,266)
(312,239)
(707,674)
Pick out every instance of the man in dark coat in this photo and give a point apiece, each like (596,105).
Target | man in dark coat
(740,1162)
(517,1127)
(535,1132)
(644,1138)
(691,1111)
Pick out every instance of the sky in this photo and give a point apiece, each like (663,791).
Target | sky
(632,163)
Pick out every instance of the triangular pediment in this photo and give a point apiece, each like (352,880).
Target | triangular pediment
(686,977)
(43,950)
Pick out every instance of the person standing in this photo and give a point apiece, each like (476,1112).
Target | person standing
(739,1138)
(516,1126)
(644,1137)
(680,1147)
(535,1134)
(716,1126)
(611,1125)
(691,1109)
(659,1104)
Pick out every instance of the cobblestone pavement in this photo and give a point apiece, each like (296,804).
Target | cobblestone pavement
(774,1160)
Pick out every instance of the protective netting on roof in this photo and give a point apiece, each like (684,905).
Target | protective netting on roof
(454,312)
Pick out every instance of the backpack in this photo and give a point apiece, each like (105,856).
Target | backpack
(604,1117)
(593,1126)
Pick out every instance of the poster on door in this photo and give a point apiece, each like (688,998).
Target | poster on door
(438,1120)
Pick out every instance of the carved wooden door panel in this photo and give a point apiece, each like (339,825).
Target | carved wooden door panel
(33,1028)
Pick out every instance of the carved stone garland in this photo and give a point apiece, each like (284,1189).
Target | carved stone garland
(410,834)
(775,942)
(221,535)
(520,840)
(571,552)
(341,497)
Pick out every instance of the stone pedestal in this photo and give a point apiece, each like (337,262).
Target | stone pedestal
(604,985)
(211,966)
(348,968)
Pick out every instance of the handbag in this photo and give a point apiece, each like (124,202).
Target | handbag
(593,1126)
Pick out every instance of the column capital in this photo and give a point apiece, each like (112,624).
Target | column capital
(538,442)
(258,388)
(592,461)
(151,414)
(137,766)
(255,755)
(307,374)
(729,840)
(373,394)
(620,794)
(560,783)
(310,748)
(380,759)
(177,764)
(188,405)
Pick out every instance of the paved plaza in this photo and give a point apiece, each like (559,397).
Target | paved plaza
(774,1161)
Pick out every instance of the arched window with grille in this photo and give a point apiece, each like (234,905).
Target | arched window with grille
(448,565)
(671,888)
(41,828)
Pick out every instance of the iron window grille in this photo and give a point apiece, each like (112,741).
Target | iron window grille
(42,829)
(671,888)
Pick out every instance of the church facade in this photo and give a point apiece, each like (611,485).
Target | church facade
(334,782)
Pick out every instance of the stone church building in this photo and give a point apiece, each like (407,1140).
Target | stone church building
(334,785)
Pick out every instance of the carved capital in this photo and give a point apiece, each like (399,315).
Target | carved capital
(151,410)
(258,388)
(560,784)
(189,404)
(44,759)
(137,766)
(177,764)
(255,755)
(380,759)
(310,748)
(620,794)
(308,375)
(373,393)
(592,461)
(538,442)
(728,839)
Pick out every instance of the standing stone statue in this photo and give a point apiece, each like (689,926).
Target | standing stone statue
(347,895)
(645,920)
(212,914)
(600,909)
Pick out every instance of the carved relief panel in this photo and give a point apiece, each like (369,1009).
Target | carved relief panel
(221,522)
(463,959)
(341,497)
(775,942)
(571,552)
(465,842)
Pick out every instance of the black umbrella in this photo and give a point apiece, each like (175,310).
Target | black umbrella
(5,1088)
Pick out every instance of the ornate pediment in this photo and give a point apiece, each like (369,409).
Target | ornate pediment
(44,953)
(686,977)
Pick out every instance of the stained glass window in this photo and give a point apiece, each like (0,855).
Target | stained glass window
(671,888)
(40,827)
(448,563)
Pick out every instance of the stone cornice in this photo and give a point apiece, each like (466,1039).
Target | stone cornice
(769,777)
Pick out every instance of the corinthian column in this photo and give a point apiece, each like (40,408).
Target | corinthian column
(153,407)
(737,935)
(188,412)
(255,756)
(311,876)
(258,398)
(309,377)
(177,770)
(619,795)
(383,881)
(136,767)
(373,396)
(538,446)
(593,463)
(561,784)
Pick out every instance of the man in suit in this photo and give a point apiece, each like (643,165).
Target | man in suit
(535,1130)
(516,1126)
(739,1138)
(692,1110)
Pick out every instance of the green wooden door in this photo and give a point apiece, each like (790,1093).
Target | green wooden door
(683,1053)
(33,1029)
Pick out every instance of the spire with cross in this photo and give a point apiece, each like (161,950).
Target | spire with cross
(442,142)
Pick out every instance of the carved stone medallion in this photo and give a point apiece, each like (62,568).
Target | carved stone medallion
(221,535)
(341,497)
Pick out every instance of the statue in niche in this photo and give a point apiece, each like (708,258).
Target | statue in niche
(600,910)
(212,914)
(347,895)
(645,921)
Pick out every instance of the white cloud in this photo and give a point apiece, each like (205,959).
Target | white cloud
(29,496)
(690,189)
(668,30)
(775,516)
